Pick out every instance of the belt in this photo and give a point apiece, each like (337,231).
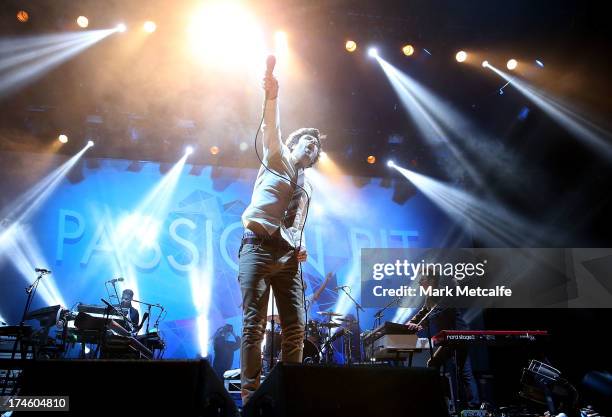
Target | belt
(275,240)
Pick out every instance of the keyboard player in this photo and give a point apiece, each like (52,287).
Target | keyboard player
(439,317)
(130,312)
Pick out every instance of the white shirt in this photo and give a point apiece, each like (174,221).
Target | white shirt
(271,194)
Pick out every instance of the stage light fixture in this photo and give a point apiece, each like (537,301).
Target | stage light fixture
(189,150)
(149,26)
(62,138)
(461,56)
(82,21)
(371,159)
(214,150)
(351,46)
(512,64)
(539,63)
(485,64)
(90,143)
(280,38)
(373,52)
(408,50)
(121,27)
(23,16)
(390,163)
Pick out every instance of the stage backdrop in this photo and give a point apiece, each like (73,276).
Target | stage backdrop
(173,233)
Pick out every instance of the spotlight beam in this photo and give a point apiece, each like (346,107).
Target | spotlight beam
(489,220)
(137,232)
(27,204)
(12,45)
(35,54)
(424,120)
(18,245)
(201,282)
(16,78)
(592,135)
(153,207)
(435,115)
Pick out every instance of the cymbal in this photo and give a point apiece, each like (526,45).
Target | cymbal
(329,313)
(347,320)
(331,325)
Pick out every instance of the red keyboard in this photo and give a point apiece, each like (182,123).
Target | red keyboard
(487,337)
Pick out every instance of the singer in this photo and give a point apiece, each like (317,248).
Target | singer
(273,243)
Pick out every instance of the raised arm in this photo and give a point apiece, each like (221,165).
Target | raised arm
(319,291)
(271,124)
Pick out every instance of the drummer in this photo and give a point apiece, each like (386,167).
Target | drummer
(310,299)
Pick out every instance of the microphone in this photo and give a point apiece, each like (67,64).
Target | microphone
(112,281)
(270,64)
(42,270)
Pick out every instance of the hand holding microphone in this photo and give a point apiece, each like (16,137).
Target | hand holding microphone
(270,84)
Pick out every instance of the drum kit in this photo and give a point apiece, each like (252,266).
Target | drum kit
(319,339)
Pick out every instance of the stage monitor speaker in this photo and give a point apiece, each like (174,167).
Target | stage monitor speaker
(293,390)
(130,387)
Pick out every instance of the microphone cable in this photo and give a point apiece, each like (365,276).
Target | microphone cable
(306,207)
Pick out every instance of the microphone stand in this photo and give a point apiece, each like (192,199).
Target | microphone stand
(425,320)
(379,314)
(30,291)
(119,311)
(162,310)
(149,305)
(103,333)
(357,308)
(272,334)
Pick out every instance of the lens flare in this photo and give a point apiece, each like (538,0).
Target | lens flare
(408,50)
(149,26)
(461,56)
(82,21)
(23,16)
(227,35)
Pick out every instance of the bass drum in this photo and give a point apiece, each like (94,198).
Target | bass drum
(312,354)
